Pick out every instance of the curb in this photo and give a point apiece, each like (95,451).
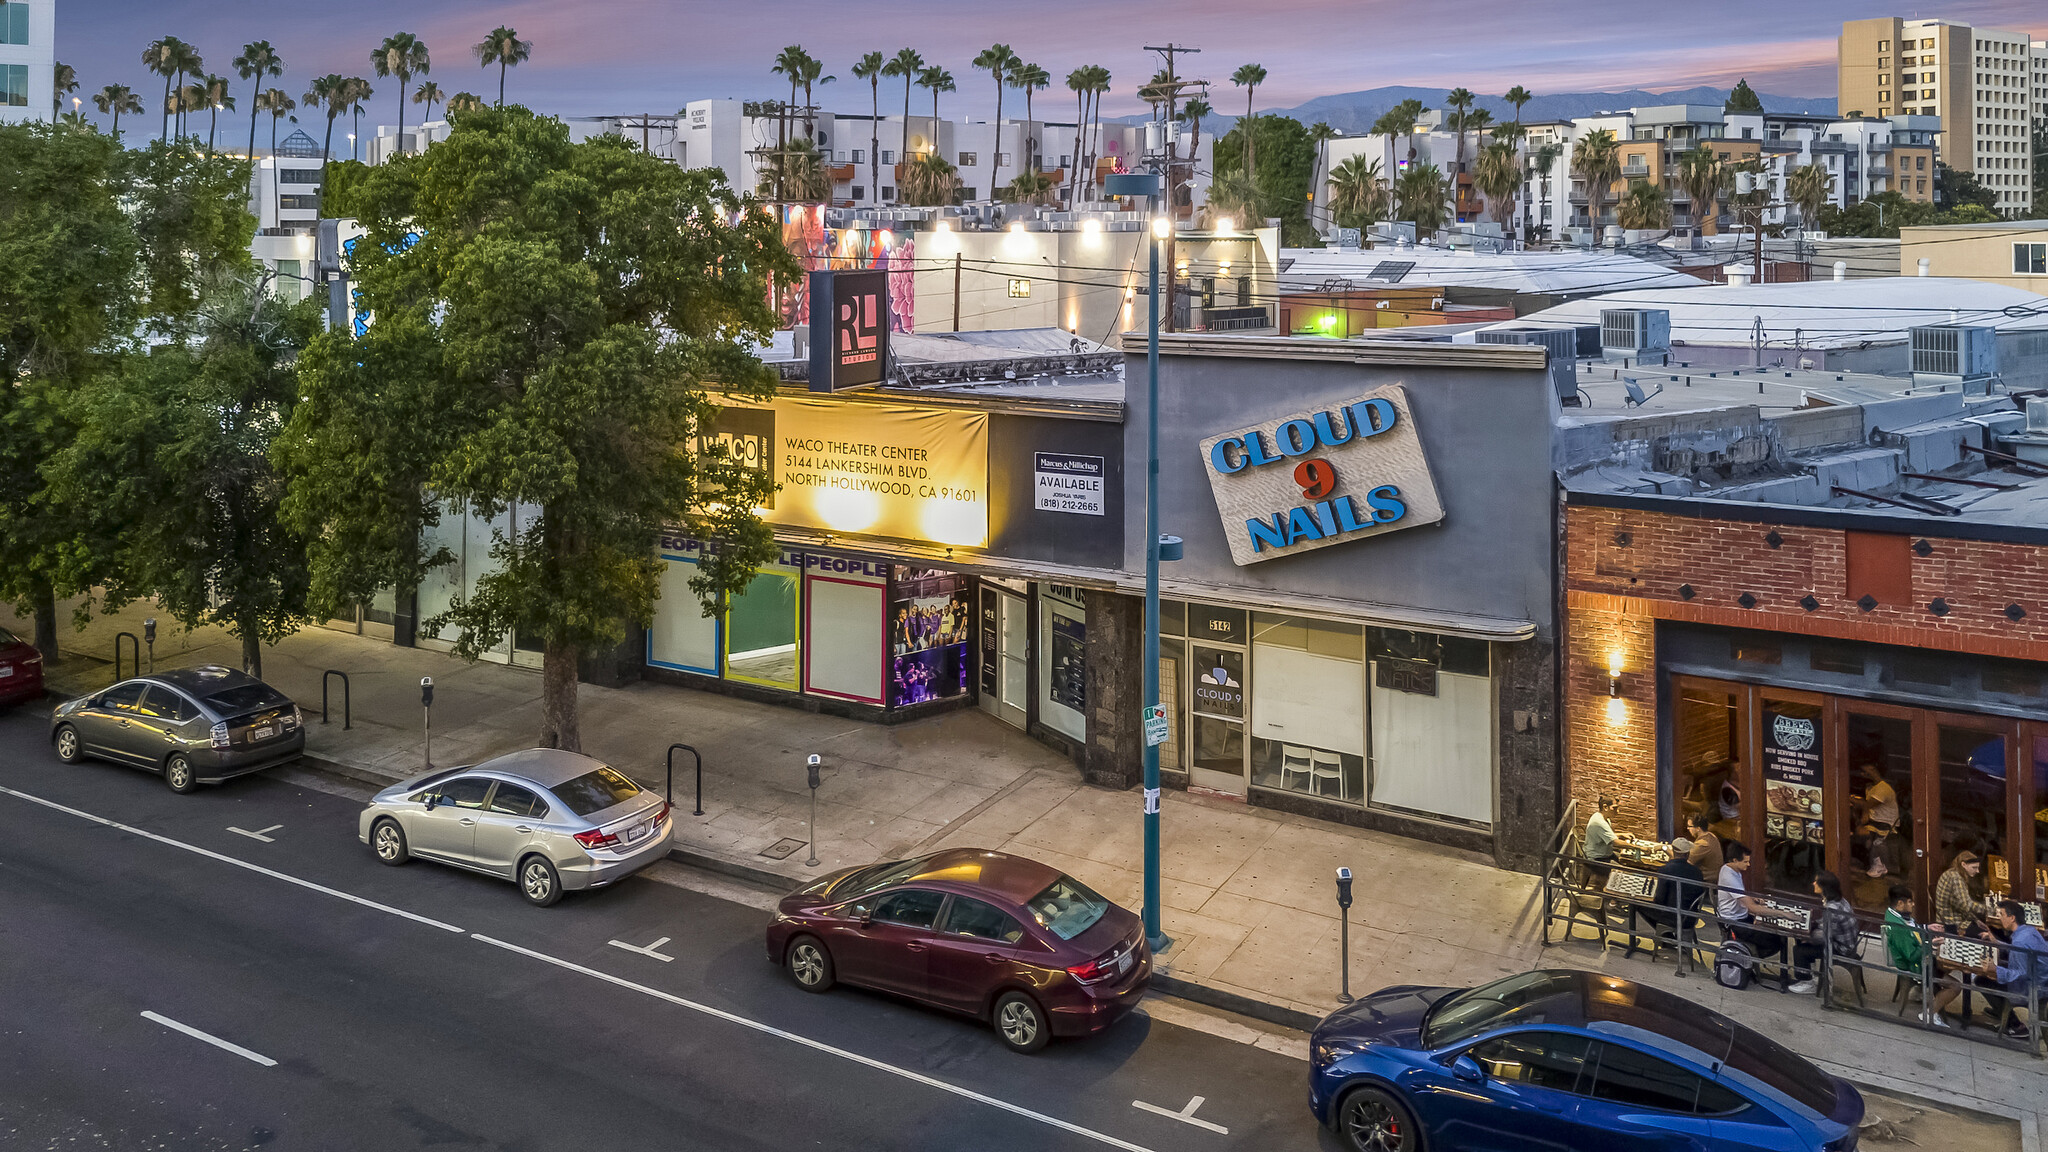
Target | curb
(759,877)
(347,772)
(1234,1002)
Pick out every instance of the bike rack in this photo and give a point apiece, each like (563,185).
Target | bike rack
(137,650)
(671,794)
(344,696)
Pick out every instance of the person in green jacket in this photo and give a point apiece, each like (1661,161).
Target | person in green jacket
(1903,943)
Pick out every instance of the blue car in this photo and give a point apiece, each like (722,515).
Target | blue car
(1566,1061)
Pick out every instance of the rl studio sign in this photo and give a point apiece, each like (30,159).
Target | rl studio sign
(1323,477)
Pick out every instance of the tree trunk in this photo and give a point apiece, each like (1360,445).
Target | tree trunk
(558,727)
(252,648)
(46,623)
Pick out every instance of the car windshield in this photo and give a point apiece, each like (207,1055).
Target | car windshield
(595,790)
(876,877)
(245,698)
(1067,908)
(1468,1013)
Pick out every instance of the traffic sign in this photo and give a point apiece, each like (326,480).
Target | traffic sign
(1155,725)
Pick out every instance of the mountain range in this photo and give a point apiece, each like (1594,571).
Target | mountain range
(1354,112)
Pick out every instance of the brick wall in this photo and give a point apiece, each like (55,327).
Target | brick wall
(1625,569)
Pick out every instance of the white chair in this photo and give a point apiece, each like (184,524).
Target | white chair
(1327,766)
(1294,762)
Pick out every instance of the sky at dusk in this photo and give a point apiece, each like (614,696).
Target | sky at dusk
(643,56)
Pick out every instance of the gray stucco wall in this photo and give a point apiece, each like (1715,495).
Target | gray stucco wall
(1486,432)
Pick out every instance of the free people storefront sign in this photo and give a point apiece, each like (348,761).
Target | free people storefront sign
(1327,476)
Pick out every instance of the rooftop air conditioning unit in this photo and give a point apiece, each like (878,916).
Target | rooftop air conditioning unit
(1561,360)
(1961,354)
(1639,334)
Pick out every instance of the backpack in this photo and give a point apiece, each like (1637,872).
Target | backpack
(1734,965)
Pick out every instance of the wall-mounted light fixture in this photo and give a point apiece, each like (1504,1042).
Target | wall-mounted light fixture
(1614,673)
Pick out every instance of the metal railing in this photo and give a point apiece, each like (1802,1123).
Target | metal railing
(135,643)
(1580,892)
(344,696)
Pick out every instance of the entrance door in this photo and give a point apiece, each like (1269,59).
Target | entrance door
(1216,756)
(1884,845)
(1005,655)
(1975,791)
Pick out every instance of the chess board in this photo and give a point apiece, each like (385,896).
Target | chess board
(1793,916)
(1631,885)
(1966,953)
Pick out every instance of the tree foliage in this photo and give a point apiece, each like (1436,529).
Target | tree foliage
(552,321)
(1742,98)
(1286,159)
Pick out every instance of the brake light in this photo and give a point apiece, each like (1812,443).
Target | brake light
(597,838)
(219,732)
(296,718)
(666,807)
(1092,972)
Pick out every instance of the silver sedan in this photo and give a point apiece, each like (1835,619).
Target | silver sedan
(548,820)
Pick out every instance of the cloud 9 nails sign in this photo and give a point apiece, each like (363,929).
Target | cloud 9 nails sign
(1313,479)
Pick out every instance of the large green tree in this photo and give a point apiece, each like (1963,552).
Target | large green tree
(1286,158)
(67,295)
(552,323)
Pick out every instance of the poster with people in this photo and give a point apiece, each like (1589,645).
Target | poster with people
(929,619)
(1069,664)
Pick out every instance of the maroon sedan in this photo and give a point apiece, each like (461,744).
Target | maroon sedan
(21,669)
(1001,938)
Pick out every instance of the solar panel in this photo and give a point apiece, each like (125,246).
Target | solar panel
(1391,270)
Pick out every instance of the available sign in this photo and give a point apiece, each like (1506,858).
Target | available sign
(1067,483)
(1312,479)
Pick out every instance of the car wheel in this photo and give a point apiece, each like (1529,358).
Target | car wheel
(387,840)
(1372,1119)
(1021,1023)
(809,964)
(69,750)
(539,882)
(178,774)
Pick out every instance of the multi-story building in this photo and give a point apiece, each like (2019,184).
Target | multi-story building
(1980,81)
(284,196)
(28,37)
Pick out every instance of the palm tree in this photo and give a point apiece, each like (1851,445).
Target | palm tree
(1029,187)
(279,104)
(927,182)
(463,102)
(1400,120)
(429,94)
(1498,176)
(1423,196)
(938,80)
(1248,77)
(1518,96)
(401,55)
(909,65)
(1098,86)
(190,64)
(328,92)
(1644,206)
(869,68)
(359,93)
(1596,159)
(258,59)
(789,64)
(1031,78)
(1319,134)
(503,47)
(1699,175)
(65,82)
(813,73)
(997,60)
(1541,161)
(1810,186)
(798,170)
(1459,101)
(161,58)
(1077,83)
(116,99)
(215,96)
(1234,194)
(191,98)
(1358,193)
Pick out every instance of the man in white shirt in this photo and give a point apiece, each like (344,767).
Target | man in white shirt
(1737,908)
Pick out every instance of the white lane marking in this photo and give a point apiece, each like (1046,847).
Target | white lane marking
(821,1046)
(212,855)
(259,834)
(216,1041)
(647,951)
(1185,1115)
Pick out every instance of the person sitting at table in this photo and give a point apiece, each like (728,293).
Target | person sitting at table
(1727,810)
(2026,965)
(1953,903)
(1598,846)
(1705,853)
(1680,888)
(1904,945)
(1834,933)
(1738,908)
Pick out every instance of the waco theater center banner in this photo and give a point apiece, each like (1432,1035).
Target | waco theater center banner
(1313,479)
(870,469)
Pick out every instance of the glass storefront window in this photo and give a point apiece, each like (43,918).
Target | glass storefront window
(1880,760)
(681,636)
(1432,725)
(1308,714)
(2038,820)
(1795,841)
(929,617)
(843,627)
(1972,789)
(1217,702)
(1705,748)
(1062,660)
(761,629)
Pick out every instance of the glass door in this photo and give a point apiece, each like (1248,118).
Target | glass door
(1972,782)
(1217,759)
(1005,655)
(1884,848)
(1708,734)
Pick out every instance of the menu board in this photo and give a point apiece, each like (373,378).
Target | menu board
(1792,777)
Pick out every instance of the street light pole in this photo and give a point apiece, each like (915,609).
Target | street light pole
(1154,937)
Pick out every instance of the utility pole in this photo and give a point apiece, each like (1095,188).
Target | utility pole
(1172,166)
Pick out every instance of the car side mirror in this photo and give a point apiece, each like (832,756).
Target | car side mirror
(1467,1069)
(430,802)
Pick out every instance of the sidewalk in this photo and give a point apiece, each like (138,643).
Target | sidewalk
(1248,893)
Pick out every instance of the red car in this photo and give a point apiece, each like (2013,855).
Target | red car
(21,669)
(1001,938)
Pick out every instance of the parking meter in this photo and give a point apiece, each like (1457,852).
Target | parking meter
(149,638)
(1343,887)
(427,713)
(811,767)
(1344,940)
(812,764)
(426,691)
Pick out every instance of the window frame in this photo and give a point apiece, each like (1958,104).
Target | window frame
(1597,1060)
(944,926)
(938,914)
(1579,1079)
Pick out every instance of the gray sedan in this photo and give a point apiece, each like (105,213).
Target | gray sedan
(194,725)
(551,821)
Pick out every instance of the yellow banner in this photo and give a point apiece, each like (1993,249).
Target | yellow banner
(870,469)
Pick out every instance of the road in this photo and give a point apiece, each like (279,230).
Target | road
(168,982)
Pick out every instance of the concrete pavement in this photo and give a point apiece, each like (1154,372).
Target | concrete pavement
(1247,892)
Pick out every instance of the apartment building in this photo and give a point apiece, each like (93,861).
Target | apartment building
(28,61)
(1982,82)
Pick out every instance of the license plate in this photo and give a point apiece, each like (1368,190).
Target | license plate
(1123,963)
(263,733)
(6,670)
(637,831)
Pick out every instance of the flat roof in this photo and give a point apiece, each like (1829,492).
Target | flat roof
(1556,273)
